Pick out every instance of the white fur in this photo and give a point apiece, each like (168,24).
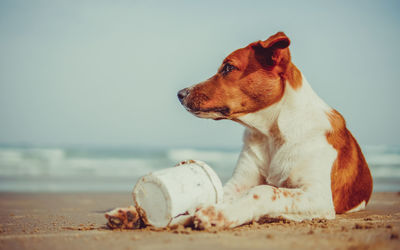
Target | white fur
(357,208)
(306,158)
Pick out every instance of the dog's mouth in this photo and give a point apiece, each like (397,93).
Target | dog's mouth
(217,113)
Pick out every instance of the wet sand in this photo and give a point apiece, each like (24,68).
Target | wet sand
(76,221)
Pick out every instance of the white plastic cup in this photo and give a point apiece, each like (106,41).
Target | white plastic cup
(170,196)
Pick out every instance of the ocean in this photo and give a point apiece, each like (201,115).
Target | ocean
(104,169)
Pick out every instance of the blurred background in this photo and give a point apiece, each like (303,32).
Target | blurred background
(88,88)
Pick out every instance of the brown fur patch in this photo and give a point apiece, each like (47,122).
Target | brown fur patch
(293,76)
(351,180)
(256,197)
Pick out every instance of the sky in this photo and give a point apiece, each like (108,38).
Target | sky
(106,73)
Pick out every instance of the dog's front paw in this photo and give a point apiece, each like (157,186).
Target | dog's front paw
(123,218)
(211,216)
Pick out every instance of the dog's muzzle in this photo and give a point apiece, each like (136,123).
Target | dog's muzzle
(215,113)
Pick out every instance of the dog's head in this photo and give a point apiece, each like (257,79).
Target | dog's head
(249,79)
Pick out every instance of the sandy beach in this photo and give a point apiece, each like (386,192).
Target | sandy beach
(76,221)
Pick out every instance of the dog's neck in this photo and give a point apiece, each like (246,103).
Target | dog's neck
(290,114)
(262,120)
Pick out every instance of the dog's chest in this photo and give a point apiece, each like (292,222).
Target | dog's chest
(264,150)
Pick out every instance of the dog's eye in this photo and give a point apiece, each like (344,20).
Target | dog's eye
(227,68)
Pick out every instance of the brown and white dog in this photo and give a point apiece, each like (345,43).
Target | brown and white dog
(299,161)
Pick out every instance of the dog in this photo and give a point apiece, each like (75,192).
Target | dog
(299,161)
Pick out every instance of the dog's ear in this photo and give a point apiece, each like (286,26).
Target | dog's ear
(277,41)
(274,51)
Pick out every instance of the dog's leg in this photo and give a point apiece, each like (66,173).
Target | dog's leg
(245,176)
(265,200)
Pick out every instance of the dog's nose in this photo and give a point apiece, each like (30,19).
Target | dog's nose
(182,94)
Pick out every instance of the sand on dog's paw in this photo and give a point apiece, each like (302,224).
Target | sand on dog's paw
(123,218)
(208,217)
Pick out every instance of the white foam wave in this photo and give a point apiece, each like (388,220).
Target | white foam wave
(54,162)
(385,172)
(382,154)
(383,159)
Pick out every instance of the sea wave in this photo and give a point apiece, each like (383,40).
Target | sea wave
(60,162)
(382,155)
(25,168)
(385,172)
(55,162)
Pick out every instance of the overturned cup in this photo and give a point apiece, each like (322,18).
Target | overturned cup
(170,196)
